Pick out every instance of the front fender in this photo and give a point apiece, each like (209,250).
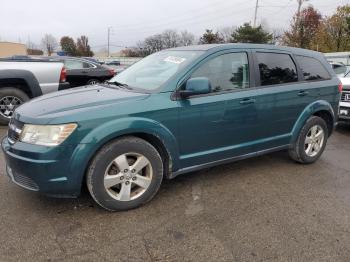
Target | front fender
(119,127)
(311,109)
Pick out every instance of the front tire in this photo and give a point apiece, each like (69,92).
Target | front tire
(125,173)
(10,99)
(311,141)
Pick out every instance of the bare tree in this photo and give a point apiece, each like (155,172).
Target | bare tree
(186,38)
(152,44)
(49,44)
(170,38)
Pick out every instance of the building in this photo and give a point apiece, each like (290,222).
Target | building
(10,49)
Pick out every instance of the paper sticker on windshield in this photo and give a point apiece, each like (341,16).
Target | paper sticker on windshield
(174,59)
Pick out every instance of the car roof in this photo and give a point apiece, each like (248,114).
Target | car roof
(218,47)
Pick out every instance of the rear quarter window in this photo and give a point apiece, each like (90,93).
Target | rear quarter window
(312,69)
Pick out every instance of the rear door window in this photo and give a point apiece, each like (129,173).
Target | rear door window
(312,69)
(276,68)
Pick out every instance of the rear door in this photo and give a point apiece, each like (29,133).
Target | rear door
(281,99)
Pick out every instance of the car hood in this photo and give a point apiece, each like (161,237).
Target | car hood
(76,100)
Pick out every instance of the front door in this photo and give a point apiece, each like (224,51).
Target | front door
(220,124)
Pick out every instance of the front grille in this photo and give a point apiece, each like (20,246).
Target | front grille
(345,96)
(14,131)
(22,180)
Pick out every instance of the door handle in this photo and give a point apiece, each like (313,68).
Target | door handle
(246,101)
(303,93)
(84,72)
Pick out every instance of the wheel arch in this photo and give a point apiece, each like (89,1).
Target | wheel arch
(149,130)
(328,118)
(320,108)
(22,79)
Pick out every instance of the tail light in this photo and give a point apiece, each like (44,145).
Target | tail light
(111,72)
(340,87)
(63,75)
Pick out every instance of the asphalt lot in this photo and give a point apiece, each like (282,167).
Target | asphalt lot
(262,209)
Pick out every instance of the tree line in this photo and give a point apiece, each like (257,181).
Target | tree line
(49,45)
(308,29)
(311,30)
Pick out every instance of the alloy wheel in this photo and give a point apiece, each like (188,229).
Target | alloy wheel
(8,104)
(314,140)
(128,176)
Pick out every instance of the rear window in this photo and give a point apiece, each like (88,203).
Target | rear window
(276,68)
(312,69)
(76,64)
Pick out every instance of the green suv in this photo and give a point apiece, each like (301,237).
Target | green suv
(174,112)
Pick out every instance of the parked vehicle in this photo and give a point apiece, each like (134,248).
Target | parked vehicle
(83,72)
(176,111)
(340,62)
(19,57)
(21,80)
(92,59)
(339,68)
(344,105)
(114,63)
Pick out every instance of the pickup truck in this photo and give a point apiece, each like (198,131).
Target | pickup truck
(344,105)
(21,80)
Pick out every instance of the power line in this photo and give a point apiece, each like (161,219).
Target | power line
(198,19)
(185,13)
(181,20)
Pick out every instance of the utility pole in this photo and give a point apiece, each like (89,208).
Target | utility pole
(300,3)
(256,12)
(108,38)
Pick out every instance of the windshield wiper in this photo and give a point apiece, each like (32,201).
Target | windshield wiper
(119,84)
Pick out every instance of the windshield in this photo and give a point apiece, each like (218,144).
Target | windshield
(154,70)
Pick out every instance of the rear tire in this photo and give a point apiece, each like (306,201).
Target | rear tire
(126,173)
(311,141)
(10,99)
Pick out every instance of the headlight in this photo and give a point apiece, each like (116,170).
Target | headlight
(46,135)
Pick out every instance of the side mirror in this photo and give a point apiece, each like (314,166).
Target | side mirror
(196,86)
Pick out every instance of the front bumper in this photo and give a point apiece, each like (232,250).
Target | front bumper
(48,170)
(344,111)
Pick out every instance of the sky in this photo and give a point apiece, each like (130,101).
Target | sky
(132,20)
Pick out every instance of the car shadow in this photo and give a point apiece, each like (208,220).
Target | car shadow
(172,187)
